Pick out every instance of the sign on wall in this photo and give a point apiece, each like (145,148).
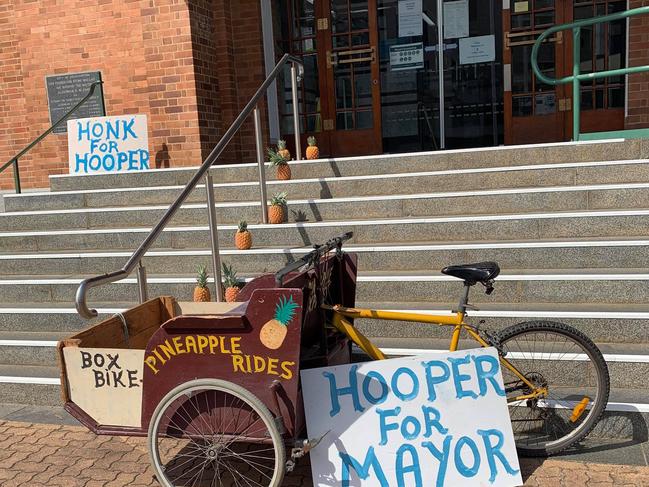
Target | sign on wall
(481,49)
(66,90)
(410,18)
(407,56)
(456,19)
(108,144)
(430,420)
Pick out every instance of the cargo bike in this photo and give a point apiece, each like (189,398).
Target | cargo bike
(215,387)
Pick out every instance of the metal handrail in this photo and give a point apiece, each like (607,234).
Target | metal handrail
(576,78)
(14,160)
(297,69)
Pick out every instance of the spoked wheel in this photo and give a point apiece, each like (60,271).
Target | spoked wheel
(208,433)
(570,370)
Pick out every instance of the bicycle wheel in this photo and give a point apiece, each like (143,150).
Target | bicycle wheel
(210,432)
(570,367)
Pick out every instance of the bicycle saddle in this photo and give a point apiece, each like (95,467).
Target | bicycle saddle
(472,273)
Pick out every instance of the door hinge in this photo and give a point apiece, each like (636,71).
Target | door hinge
(328,124)
(323,23)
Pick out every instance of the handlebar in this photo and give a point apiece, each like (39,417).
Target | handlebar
(313,257)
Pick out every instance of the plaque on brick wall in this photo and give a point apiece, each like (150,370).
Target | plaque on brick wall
(64,91)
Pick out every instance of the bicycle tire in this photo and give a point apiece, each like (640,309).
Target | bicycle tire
(602,381)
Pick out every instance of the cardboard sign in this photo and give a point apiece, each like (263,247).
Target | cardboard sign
(430,420)
(108,144)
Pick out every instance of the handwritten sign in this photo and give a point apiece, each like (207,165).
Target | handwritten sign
(431,420)
(108,144)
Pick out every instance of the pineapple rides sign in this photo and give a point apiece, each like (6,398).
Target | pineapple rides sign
(108,144)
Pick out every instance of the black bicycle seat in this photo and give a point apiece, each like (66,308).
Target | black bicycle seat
(472,273)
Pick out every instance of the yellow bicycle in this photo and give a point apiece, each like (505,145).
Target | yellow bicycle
(555,377)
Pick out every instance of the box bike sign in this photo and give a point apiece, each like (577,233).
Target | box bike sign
(430,420)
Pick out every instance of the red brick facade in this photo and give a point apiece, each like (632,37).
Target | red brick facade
(189,65)
(638,116)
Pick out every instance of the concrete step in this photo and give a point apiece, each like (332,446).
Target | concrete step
(383,164)
(463,228)
(30,384)
(58,318)
(565,286)
(510,201)
(536,175)
(29,348)
(556,254)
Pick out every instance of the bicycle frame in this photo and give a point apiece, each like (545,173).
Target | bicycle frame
(456,320)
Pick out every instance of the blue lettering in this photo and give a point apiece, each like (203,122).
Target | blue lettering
(112,146)
(81,161)
(367,382)
(494,451)
(416,428)
(121,160)
(458,378)
(464,470)
(97,159)
(363,471)
(98,130)
(112,131)
(432,422)
(395,384)
(81,131)
(128,128)
(487,375)
(432,380)
(442,456)
(385,413)
(132,161)
(352,390)
(144,159)
(93,145)
(413,468)
(110,167)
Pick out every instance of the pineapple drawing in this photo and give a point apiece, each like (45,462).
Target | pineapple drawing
(201,291)
(281,164)
(243,238)
(276,210)
(312,152)
(274,332)
(282,150)
(230,283)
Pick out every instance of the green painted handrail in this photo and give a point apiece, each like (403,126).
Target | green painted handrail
(576,78)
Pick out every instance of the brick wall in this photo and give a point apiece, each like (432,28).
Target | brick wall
(189,67)
(638,116)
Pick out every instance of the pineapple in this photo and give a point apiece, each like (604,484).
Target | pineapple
(276,211)
(201,291)
(230,283)
(243,238)
(282,150)
(283,169)
(274,332)
(312,152)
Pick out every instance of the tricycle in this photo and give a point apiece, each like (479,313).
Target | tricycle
(215,387)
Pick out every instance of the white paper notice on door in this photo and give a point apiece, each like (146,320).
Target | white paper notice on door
(456,19)
(481,49)
(410,18)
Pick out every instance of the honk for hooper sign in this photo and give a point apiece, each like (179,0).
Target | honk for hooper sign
(427,421)
(108,144)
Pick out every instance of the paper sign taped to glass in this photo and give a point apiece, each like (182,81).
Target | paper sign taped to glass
(407,56)
(439,419)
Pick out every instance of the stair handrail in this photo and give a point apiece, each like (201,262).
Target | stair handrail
(577,77)
(297,71)
(14,160)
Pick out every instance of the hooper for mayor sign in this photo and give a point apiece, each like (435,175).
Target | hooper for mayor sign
(108,144)
(430,420)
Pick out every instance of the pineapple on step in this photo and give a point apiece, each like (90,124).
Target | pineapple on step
(276,210)
(312,152)
(283,169)
(201,291)
(230,283)
(282,150)
(243,238)
(273,333)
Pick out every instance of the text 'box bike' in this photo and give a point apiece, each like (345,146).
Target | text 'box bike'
(215,387)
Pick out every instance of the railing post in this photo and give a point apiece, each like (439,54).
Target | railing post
(576,84)
(141,283)
(216,257)
(296,113)
(262,166)
(17,177)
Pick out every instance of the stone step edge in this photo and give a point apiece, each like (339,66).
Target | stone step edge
(331,179)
